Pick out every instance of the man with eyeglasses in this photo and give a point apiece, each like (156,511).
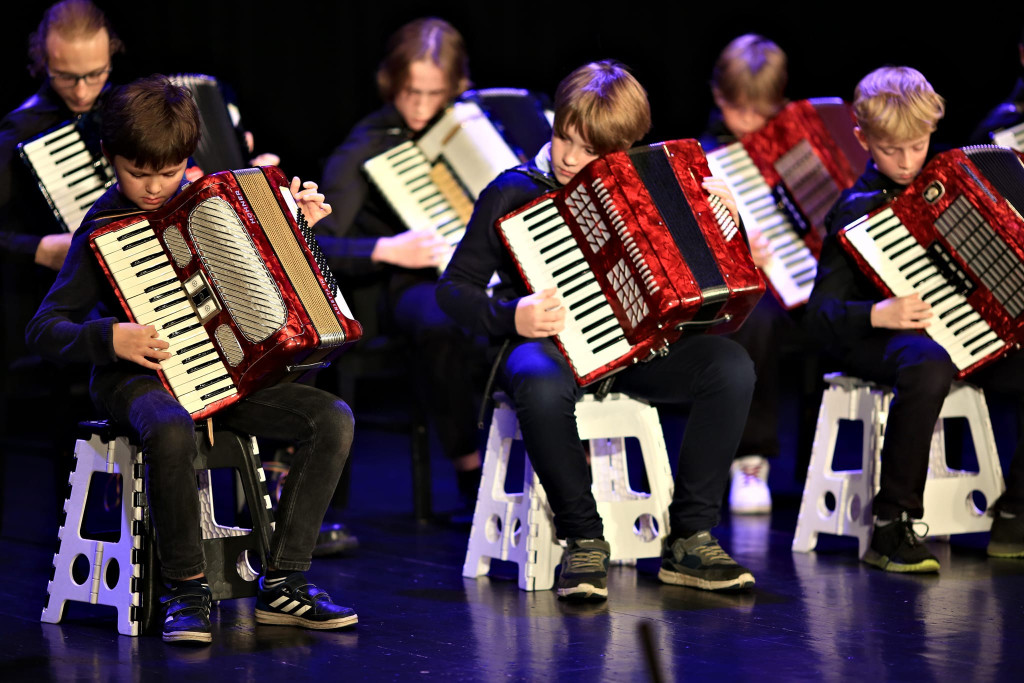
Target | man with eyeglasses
(72,50)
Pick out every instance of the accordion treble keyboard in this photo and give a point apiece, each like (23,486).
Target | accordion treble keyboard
(154,295)
(70,175)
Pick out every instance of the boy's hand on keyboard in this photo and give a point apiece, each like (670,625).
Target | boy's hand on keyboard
(540,314)
(139,344)
(901,313)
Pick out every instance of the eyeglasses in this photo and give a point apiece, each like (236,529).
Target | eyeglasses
(63,80)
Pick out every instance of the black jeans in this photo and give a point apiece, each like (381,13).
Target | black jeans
(318,423)
(711,373)
(920,372)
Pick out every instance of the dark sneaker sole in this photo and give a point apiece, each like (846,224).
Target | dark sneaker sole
(583,591)
(278,619)
(185,637)
(1006,550)
(882,562)
(741,582)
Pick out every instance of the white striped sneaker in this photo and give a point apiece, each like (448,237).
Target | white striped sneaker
(297,602)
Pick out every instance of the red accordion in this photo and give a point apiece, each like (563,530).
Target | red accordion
(232,278)
(639,252)
(955,236)
(786,177)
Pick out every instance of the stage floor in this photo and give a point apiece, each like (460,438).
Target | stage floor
(816,616)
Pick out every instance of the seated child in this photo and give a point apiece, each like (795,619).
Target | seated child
(425,67)
(878,339)
(150,129)
(599,108)
(748,83)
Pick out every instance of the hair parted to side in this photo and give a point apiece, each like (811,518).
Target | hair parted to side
(605,104)
(151,122)
(426,39)
(71,19)
(751,70)
(897,103)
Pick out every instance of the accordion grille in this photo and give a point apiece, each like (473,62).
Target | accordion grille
(239,275)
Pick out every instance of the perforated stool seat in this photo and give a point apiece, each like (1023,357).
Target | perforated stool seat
(123,573)
(839,501)
(519,527)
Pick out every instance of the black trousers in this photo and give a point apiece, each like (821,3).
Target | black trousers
(711,373)
(920,372)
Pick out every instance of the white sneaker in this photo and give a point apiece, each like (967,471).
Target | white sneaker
(749,494)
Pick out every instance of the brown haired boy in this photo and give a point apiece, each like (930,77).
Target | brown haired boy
(599,108)
(150,129)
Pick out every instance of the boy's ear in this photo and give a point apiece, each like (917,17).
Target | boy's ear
(861,138)
(720,101)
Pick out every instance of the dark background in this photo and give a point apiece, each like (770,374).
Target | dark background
(303,73)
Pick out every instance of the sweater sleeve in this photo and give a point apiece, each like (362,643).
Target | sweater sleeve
(462,289)
(839,309)
(63,329)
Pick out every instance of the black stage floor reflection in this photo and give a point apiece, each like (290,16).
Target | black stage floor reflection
(817,616)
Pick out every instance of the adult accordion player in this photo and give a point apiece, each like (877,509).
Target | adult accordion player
(230,275)
(955,236)
(639,252)
(432,182)
(785,177)
(69,169)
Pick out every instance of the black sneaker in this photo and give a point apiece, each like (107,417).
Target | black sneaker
(188,613)
(297,602)
(699,562)
(584,574)
(896,547)
(1007,537)
(335,539)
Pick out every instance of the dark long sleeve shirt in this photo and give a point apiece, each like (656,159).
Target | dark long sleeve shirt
(838,312)
(462,289)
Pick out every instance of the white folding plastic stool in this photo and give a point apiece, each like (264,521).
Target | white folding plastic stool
(518,527)
(839,502)
(115,456)
(227,548)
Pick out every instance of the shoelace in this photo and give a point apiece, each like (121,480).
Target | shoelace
(712,553)
(910,533)
(586,560)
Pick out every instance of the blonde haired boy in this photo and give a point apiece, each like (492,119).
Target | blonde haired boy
(880,340)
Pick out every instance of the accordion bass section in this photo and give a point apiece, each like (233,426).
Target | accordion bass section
(639,253)
(432,182)
(230,275)
(70,170)
(785,178)
(954,236)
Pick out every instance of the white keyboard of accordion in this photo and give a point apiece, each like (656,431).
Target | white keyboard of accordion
(405,180)
(898,258)
(155,297)
(70,178)
(550,256)
(791,265)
